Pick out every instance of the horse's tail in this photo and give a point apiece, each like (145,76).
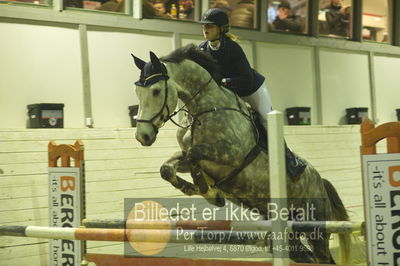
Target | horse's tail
(339,214)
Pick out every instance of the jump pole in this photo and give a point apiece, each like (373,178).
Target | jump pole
(338,227)
(136,235)
(278,186)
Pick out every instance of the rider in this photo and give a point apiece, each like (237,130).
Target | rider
(238,75)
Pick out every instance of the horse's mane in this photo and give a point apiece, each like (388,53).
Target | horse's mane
(193,53)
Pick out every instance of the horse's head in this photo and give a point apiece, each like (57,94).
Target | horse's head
(156,99)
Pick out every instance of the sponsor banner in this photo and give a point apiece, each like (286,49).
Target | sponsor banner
(65,206)
(381,178)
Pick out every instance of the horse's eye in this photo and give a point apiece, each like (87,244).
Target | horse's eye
(156,92)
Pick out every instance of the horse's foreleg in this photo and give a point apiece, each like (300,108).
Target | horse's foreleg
(168,172)
(221,152)
(178,163)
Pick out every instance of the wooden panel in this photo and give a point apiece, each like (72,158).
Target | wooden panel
(38,248)
(131,184)
(74,133)
(31,216)
(39,260)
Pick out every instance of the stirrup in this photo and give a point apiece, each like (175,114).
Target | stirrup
(294,165)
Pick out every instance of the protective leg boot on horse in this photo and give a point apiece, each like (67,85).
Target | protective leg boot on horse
(294,165)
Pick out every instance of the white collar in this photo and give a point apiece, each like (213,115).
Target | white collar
(216,48)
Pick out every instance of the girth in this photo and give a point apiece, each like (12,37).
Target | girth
(254,152)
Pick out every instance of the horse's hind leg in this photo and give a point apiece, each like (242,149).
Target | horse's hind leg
(168,172)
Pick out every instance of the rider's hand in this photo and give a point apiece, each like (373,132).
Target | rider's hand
(225,81)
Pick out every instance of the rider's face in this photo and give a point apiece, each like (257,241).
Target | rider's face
(210,31)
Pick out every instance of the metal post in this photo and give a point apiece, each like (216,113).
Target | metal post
(129,7)
(318,86)
(87,97)
(371,66)
(137,9)
(263,16)
(357,20)
(312,18)
(58,5)
(176,40)
(396,22)
(254,54)
(177,43)
(205,5)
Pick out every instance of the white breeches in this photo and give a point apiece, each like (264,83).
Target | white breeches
(260,101)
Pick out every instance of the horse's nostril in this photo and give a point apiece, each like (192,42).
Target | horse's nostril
(146,138)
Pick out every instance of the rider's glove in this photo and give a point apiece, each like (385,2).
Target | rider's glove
(225,81)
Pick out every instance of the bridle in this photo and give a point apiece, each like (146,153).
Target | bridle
(165,105)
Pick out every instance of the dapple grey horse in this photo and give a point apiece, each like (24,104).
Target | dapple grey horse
(220,145)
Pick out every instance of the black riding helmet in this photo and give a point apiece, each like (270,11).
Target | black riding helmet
(218,17)
(215,16)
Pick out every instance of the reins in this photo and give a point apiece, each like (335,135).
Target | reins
(186,111)
(194,117)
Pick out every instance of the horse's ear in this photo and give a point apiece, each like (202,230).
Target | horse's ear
(157,63)
(138,62)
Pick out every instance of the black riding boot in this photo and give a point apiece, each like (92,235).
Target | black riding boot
(294,166)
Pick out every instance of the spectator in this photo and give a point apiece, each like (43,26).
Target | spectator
(243,14)
(338,18)
(286,20)
(159,8)
(188,7)
(222,4)
(113,6)
(148,9)
(151,10)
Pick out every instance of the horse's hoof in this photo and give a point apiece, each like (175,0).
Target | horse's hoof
(166,172)
(219,201)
